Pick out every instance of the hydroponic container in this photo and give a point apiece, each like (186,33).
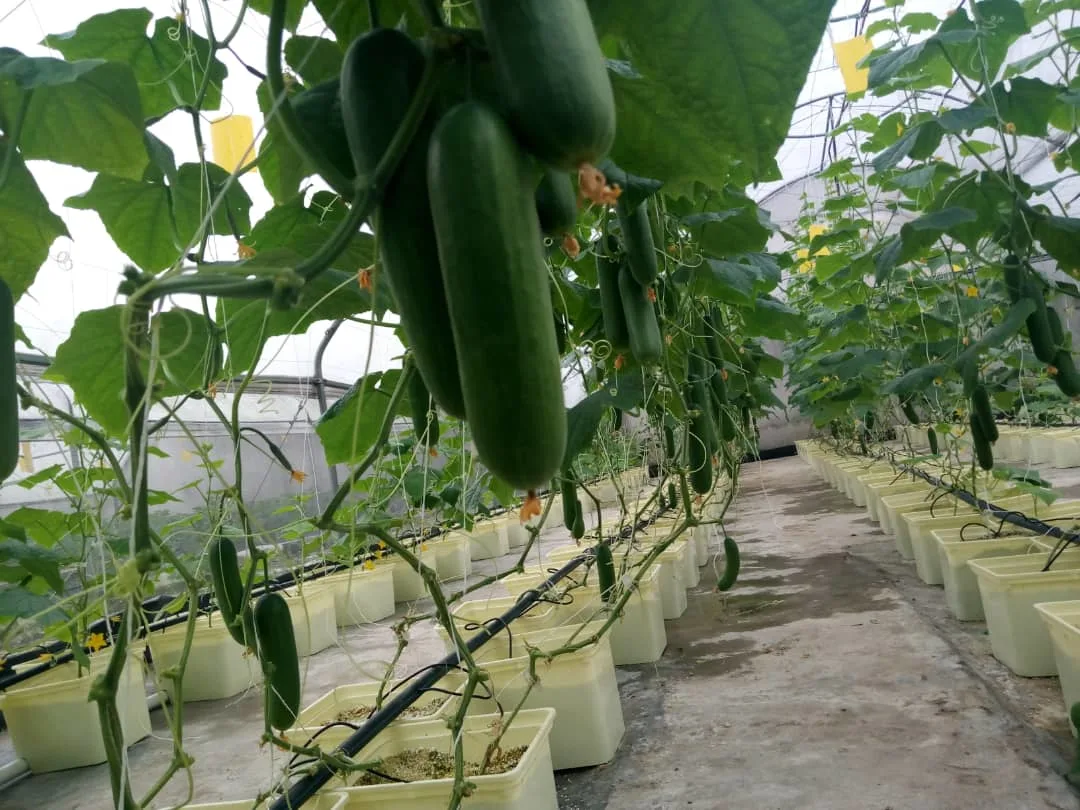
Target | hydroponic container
(314,618)
(217,666)
(961,585)
(361,595)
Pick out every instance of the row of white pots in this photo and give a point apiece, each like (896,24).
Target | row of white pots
(1057,447)
(990,571)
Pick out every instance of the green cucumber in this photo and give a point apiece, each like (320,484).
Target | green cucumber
(1057,331)
(560,334)
(605,571)
(229,590)
(1038,324)
(556,203)
(711,434)
(9,397)
(379,77)
(645,342)
(616,419)
(909,411)
(699,441)
(669,443)
(984,452)
(716,357)
(931,437)
(638,241)
(1067,377)
(569,498)
(983,410)
(672,495)
(424,417)
(726,424)
(280,663)
(731,565)
(577,528)
(318,110)
(746,418)
(553,78)
(497,289)
(1014,277)
(611,308)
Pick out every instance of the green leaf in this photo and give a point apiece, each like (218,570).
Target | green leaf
(351,425)
(996,336)
(772,319)
(85,113)
(169,67)
(623,391)
(916,380)
(349,19)
(294,10)
(698,99)
(91,360)
(1026,104)
(44,526)
(1060,237)
(136,215)
(19,603)
(1001,22)
(314,59)
(919,143)
(922,232)
(197,187)
(986,193)
(28,227)
(724,221)
(724,281)
(35,560)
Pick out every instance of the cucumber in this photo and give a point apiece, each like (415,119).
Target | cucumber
(909,411)
(9,397)
(229,591)
(984,453)
(616,419)
(1014,277)
(424,418)
(638,241)
(569,499)
(1067,377)
(280,663)
(672,495)
(700,444)
(556,203)
(1038,324)
(611,308)
(731,565)
(726,423)
(983,410)
(931,437)
(645,342)
(379,76)
(704,405)
(669,443)
(869,420)
(716,357)
(560,334)
(605,571)
(746,418)
(318,110)
(552,77)
(1057,331)
(577,528)
(497,290)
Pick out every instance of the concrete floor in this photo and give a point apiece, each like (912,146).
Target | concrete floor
(829,678)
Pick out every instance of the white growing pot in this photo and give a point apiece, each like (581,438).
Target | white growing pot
(217,666)
(361,596)
(314,618)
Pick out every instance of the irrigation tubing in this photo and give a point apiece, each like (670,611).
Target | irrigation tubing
(302,790)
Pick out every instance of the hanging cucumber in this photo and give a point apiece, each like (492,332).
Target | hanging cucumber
(424,417)
(9,397)
(1066,376)
(560,334)
(638,241)
(556,203)
(672,495)
(731,565)
(699,442)
(229,591)
(497,290)
(746,418)
(569,498)
(616,419)
(379,77)
(577,528)
(908,408)
(645,342)
(553,78)
(611,308)
(1014,277)
(716,357)
(669,443)
(931,437)
(318,111)
(983,410)
(984,452)
(605,571)
(280,664)
(1038,323)
(704,404)
(726,423)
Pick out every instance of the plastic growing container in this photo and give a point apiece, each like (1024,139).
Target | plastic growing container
(684,548)
(486,542)
(1062,621)
(701,537)
(1010,588)
(408,584)
(876,492)
(361,596)
(54,725)
(314,619)
(530,785)
(453,556)
(919,526)
(637,637)
(353,701)
(471,615)
(961,585)
(510,526)
(217,667)
(320,801)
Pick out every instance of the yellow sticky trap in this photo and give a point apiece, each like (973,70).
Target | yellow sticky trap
(814,232)
(232,139)
(848,54)
(26,458)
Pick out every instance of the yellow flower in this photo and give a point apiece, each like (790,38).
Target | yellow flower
(938,381)
(244,251)
(369,565)
(967,340)
(1010,127)
(423,546)
(972,292)
(96,641)
(298,476)
(45,657)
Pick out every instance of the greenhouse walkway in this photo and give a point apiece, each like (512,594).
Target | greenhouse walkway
(829,678)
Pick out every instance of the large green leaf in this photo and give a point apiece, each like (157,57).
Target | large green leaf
(28,227)
(169,67)
(351,425)
(44,526)
(294,10)
(703,87)
(623,391)
(85,113)
(773,319)
(1060,237)
(197,187)
(723,222)
(1012,324)
(314,59)
(34,560)
(917,379)
(91,360)
(349,19)
(136,215)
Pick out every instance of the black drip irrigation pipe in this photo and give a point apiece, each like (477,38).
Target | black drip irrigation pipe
(309,785)
(1018,519)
